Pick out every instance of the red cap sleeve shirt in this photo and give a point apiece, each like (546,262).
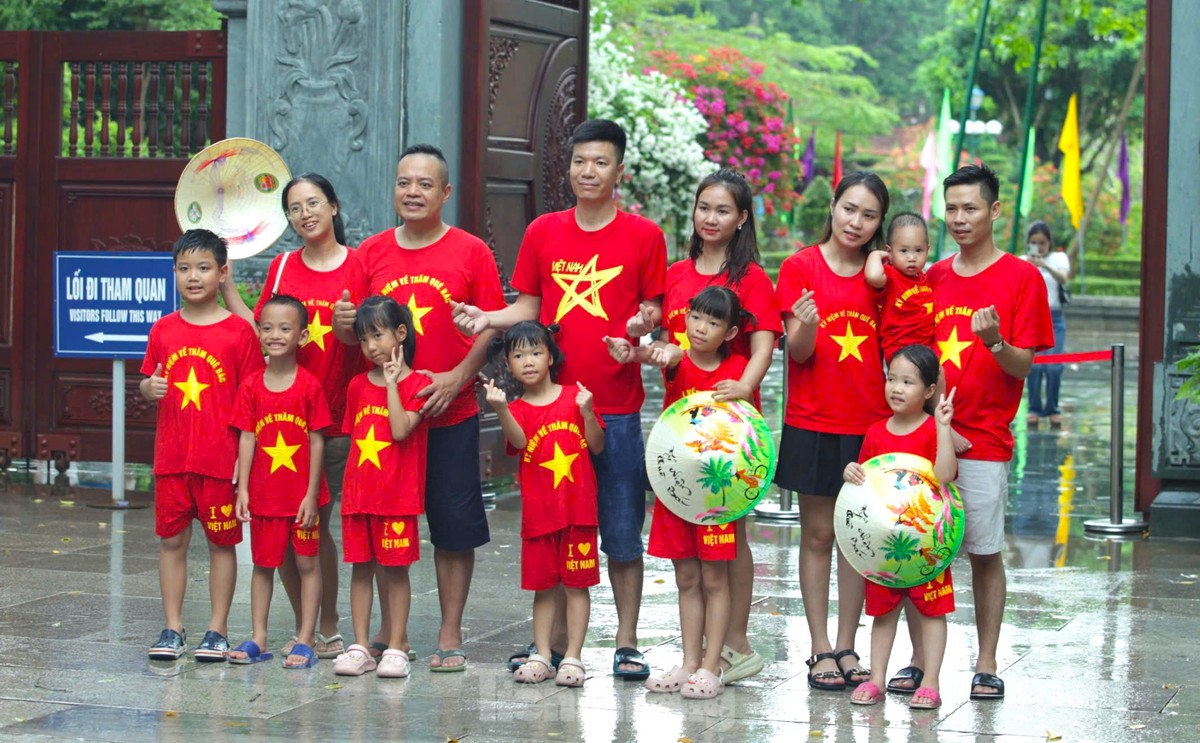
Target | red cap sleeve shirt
(879,440)
(332,362)
(558,484)
(281,423)
(687,378)
(457,268)
(906,311)
(384,477)
(754,291)
(591,283)
(839,389)
(987,397)
(203,365)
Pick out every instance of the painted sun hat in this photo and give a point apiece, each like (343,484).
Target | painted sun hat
(901,527)
(710,462)
(232,188)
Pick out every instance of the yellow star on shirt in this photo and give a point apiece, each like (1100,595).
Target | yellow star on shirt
(281,453)
(369,448)
(589,298)
(191,390)
(417,313)
(560,465)
(317,331)
(849,343)
(951,349)
(682,341)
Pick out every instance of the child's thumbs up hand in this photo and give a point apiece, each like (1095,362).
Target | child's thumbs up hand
(156,384)
(344,313)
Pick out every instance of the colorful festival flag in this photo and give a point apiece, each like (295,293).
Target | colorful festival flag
(1123,174)
(808,163)
(1027,183)
(837,160)
(929,162)
(1068,144)
(943,155)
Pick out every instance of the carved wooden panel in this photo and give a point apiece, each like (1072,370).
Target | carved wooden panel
(6,260)
(5,397)
(85,401)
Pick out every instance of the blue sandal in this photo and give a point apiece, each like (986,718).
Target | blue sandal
(309,655)
(212,648)
(630,655)
(254,654)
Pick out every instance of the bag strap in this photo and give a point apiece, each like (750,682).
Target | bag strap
(279,273)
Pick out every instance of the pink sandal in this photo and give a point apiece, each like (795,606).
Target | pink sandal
(703,684)
(571,673)
(535,670)
(667,681)
(355,661)
(874,692)
(393,664)
(926,692)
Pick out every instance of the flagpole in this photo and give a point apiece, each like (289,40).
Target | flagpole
(1033,75)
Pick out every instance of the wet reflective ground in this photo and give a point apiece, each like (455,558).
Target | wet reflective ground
(1100,639)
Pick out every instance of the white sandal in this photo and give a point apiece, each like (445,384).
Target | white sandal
(571,673)
(533,671)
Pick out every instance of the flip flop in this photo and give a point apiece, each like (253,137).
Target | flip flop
(254,654)
(925,691)
(376,649)
(324,651)
(987,679)
(630,655)
(310,657)
(908,673)
(452,653)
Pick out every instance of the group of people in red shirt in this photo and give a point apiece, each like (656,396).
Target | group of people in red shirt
(597,275)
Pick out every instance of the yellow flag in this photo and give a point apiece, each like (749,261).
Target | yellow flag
(1068,144)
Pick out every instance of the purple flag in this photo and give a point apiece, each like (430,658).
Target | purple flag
(1123,174)
(808,161)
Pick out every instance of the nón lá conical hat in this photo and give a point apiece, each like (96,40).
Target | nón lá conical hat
(232,188)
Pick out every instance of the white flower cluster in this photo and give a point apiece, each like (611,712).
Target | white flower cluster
(664,160)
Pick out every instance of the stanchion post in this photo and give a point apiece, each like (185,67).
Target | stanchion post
(1116,522)
(784,511)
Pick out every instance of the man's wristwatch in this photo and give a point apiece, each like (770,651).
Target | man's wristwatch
(995,347)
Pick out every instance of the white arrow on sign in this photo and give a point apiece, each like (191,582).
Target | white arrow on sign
(102,337)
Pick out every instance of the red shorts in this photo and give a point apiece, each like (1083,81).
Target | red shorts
(388,540)
(932,599)
(180,498)
(568,556)
(270,536)
(675,539)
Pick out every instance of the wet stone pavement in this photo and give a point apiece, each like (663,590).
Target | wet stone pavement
(1100,640)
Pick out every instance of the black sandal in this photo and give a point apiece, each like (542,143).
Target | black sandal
(815,680)
(990,680)
(856,671)
(908,673)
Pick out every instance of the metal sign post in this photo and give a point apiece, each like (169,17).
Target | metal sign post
(104,305)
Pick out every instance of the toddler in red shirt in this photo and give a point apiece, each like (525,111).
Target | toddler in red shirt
(384,489)
(554,428)
(195,360)
(281,412)
(898,273)
(916,427)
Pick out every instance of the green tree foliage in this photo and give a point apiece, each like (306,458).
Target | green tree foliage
(108,15)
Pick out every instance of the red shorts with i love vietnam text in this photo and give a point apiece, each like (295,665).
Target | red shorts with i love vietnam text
(180,498)
(932,599)
(271,535)
(673,538)
(568,556)
(391,541)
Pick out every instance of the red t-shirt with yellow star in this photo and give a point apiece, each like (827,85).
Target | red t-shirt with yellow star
(591,283)
(384,477)
(281,423)
(687,378)
(457,268)
(558,484)
(203,364)
(839,389)
(754,291)
(332,362)
(905,311)
(987,397)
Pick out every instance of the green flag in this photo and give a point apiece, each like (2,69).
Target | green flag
(944,155)
(1027,183)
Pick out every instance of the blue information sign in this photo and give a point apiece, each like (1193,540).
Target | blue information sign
(105,303)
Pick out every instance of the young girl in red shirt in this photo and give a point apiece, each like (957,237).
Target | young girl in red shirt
(916,427)
(554,428)
(702,565)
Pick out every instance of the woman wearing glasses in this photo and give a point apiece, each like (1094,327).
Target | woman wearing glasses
(319,274)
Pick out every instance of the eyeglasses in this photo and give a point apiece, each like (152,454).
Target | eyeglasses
(310,206)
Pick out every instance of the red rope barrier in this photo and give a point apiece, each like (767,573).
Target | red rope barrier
(1073,358)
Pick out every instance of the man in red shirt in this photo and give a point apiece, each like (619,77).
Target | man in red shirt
(597,271)
(990,316)
(430,266)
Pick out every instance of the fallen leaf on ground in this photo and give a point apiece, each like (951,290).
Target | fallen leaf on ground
(1051,735)
(170,713)
(66,540)
(335,687)
(660,580)
(67,503)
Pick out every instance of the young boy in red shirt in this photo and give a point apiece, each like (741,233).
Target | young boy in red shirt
(195,360)
(281,412)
